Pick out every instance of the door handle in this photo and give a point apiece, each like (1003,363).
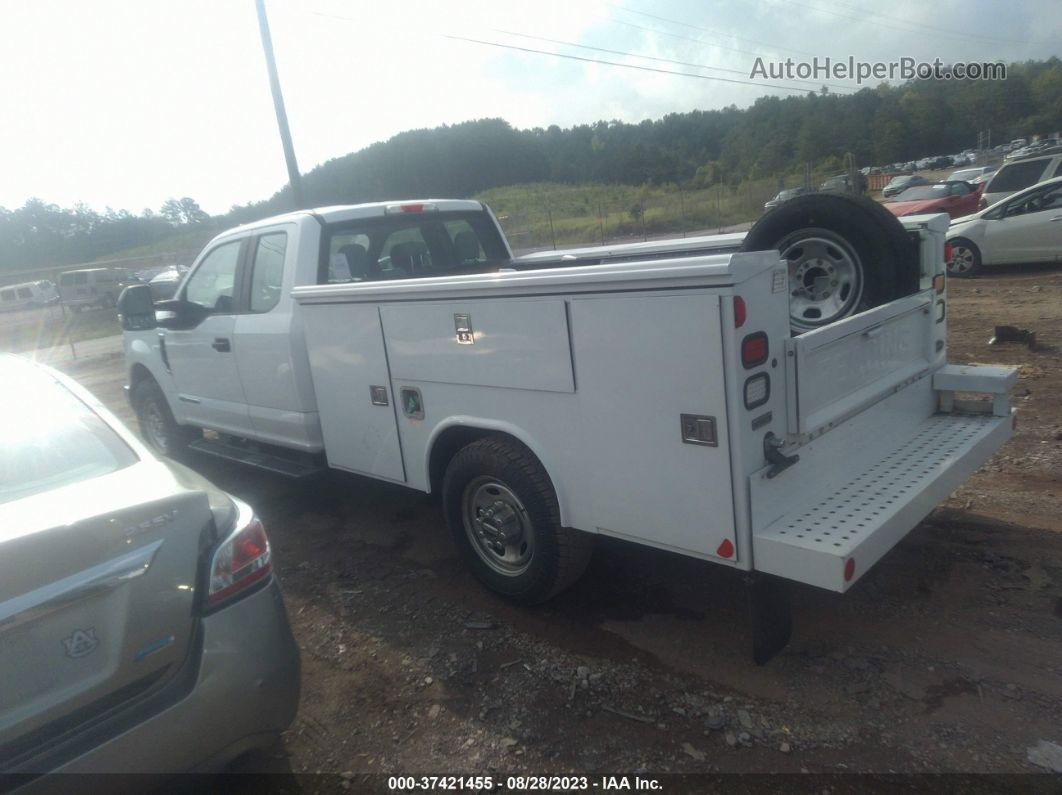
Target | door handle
(1057,218)
(221,344)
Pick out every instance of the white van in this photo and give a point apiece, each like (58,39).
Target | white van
(93,287)
(1019,175)
(27,295)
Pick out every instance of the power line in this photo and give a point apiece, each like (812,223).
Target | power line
(654,58)
(596,60)
(624,65)
(706,30)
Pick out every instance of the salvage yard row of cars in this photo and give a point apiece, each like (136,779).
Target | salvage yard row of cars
(1012,214)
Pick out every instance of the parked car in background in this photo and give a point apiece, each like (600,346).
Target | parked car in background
(1020,174)
(93,287)
(165,283)
(842,183)
(970,174)
(27,295)
(899,184)
(141,627)
(784,196)
(954,198)
(1027,227)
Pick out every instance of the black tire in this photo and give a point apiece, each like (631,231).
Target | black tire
(858,255)
(556,555)
(157,425)
(965,260)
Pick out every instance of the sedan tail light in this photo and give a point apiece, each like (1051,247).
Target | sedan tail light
(239,562)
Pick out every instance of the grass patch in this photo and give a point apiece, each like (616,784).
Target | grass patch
(541,214)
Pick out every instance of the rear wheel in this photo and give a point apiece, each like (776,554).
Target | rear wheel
(965,258)
(845,254)
(157,424)
(504,517)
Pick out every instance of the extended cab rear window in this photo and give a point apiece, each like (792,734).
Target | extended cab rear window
(410,246)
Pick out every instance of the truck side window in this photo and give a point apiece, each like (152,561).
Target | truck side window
(267,273)
(212,284)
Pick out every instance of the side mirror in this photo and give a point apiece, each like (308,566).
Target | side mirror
(136,309)
(177,314)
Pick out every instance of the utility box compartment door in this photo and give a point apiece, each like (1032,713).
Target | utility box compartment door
(512,343)
(845,367)
(353,386)
(643,362)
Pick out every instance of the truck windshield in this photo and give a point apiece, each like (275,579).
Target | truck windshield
(410,246)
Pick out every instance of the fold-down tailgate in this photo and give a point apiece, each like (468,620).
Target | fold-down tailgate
(840,369)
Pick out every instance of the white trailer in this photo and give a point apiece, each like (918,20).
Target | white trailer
(657,396)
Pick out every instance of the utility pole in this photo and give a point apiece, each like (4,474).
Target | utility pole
(294,179)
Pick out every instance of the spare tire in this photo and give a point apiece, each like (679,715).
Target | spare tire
(845,254)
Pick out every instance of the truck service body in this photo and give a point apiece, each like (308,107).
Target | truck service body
(656,387)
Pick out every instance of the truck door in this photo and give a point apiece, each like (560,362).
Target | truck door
(270,351)
(202,360)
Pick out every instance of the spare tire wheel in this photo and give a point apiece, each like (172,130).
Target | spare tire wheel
(846,254)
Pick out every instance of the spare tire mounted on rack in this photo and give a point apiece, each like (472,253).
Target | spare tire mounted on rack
(846,254)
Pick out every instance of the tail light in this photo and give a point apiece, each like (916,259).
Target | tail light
(754,350)
(240,562)
(947,253)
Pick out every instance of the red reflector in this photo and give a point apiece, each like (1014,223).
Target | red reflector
(754,350)
(947,252)
(726,549)
(412,208)
(740,312)
(849,569)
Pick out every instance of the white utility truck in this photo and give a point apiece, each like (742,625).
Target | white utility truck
(779,403)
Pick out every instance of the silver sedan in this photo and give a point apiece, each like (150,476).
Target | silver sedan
(141,627)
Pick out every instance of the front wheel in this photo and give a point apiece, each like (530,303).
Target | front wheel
(965,258)
(502,511)
(157,424)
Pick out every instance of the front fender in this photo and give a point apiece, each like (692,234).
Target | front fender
(143,351)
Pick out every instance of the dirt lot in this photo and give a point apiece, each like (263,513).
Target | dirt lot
(946,657)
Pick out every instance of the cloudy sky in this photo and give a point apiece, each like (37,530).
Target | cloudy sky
(124,104)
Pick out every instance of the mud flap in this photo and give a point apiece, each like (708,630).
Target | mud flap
(770,614)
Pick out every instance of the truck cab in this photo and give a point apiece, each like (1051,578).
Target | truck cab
(229,351)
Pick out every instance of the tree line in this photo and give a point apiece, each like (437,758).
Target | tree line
(774,136)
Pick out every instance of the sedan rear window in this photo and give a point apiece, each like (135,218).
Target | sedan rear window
(52,439)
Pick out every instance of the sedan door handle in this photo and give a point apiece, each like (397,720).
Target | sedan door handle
(221,345)
(1057,218)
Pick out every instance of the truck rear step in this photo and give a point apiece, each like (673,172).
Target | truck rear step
(290,464)
(835,537)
